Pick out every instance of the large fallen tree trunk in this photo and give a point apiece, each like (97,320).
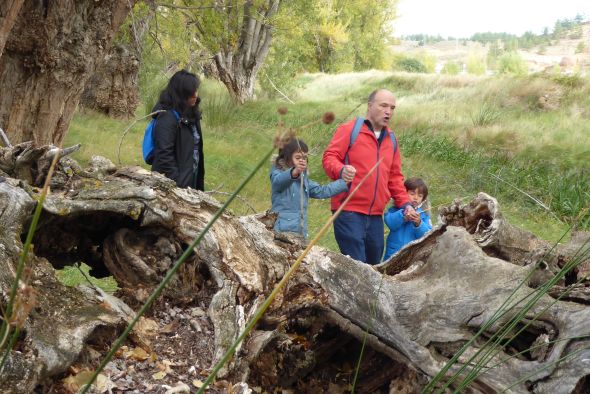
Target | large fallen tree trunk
(418,308)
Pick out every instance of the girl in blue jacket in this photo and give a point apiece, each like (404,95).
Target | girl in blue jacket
(405,229)
(286,176)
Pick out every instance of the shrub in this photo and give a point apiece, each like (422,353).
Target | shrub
(570,81)
(476,65)
(512,63)
(451,68)
(428,60)
(411,65)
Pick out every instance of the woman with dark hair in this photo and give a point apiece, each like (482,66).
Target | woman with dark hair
(178,141)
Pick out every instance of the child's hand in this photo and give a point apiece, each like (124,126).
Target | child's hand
(410,215)
(299,169)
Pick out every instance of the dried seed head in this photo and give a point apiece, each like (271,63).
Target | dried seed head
(328,117)
(25,301)
(277,141)
(290,134)
(280,140)
(283,110)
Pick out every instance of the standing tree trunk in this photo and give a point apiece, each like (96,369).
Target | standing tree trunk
(50,54)
(237,65)
(8,12)
(113,89)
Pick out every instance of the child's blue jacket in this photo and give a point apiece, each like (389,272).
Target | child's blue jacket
(401,232)
(286,197)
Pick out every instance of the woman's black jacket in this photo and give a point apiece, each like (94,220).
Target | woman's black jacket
(173,150)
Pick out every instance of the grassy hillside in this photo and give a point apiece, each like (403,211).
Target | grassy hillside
(507,137)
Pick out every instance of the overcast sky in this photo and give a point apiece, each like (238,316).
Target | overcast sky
(463,18)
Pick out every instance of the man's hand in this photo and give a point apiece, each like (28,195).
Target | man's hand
(348,173)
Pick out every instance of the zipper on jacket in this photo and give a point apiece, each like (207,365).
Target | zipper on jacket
(376,177)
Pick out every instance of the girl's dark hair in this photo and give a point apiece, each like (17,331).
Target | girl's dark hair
(182,86)
(417,184)
(286,153)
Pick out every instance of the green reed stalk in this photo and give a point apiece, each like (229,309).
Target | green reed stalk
(258,314)
(502,310)
(172,271)
(544,367)
(5,329)
(493,350)
(486,349)
(522,352)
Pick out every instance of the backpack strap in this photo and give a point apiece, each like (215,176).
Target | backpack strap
(355,133)
(393,141)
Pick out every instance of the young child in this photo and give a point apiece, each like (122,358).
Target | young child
(286,175)
(404,229)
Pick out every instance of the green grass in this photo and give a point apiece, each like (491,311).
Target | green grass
(71,276)
(456,132)
(451,133)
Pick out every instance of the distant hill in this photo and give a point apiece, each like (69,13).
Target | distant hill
(570,54)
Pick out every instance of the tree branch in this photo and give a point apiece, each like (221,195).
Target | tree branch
(277,89)
(246,35)
(5,139)
(187,7)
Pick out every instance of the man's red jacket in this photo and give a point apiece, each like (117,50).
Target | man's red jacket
(386,182)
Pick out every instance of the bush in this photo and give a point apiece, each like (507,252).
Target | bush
(451,68)
(476,65)
(428,60)
(411,65)
(512,63)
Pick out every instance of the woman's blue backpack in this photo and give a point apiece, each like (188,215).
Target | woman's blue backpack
(148,139)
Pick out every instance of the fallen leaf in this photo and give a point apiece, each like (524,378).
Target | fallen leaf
(179,388)
(121,351)
(197,383)
(73,383)
(143,332)
(74,370)
(137,354)
(104,384)
(153,358)
(159,375)
(170,328)
(164,366)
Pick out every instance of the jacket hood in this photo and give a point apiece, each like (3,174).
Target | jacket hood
(159,106)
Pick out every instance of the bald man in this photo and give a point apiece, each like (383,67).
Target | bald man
(359,228)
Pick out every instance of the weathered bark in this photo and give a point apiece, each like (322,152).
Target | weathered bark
(8,12)
(419,307)
(113,89)
(59,320)
(50,53)
(237,65)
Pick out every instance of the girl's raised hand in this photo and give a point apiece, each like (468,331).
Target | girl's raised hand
(299,160)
